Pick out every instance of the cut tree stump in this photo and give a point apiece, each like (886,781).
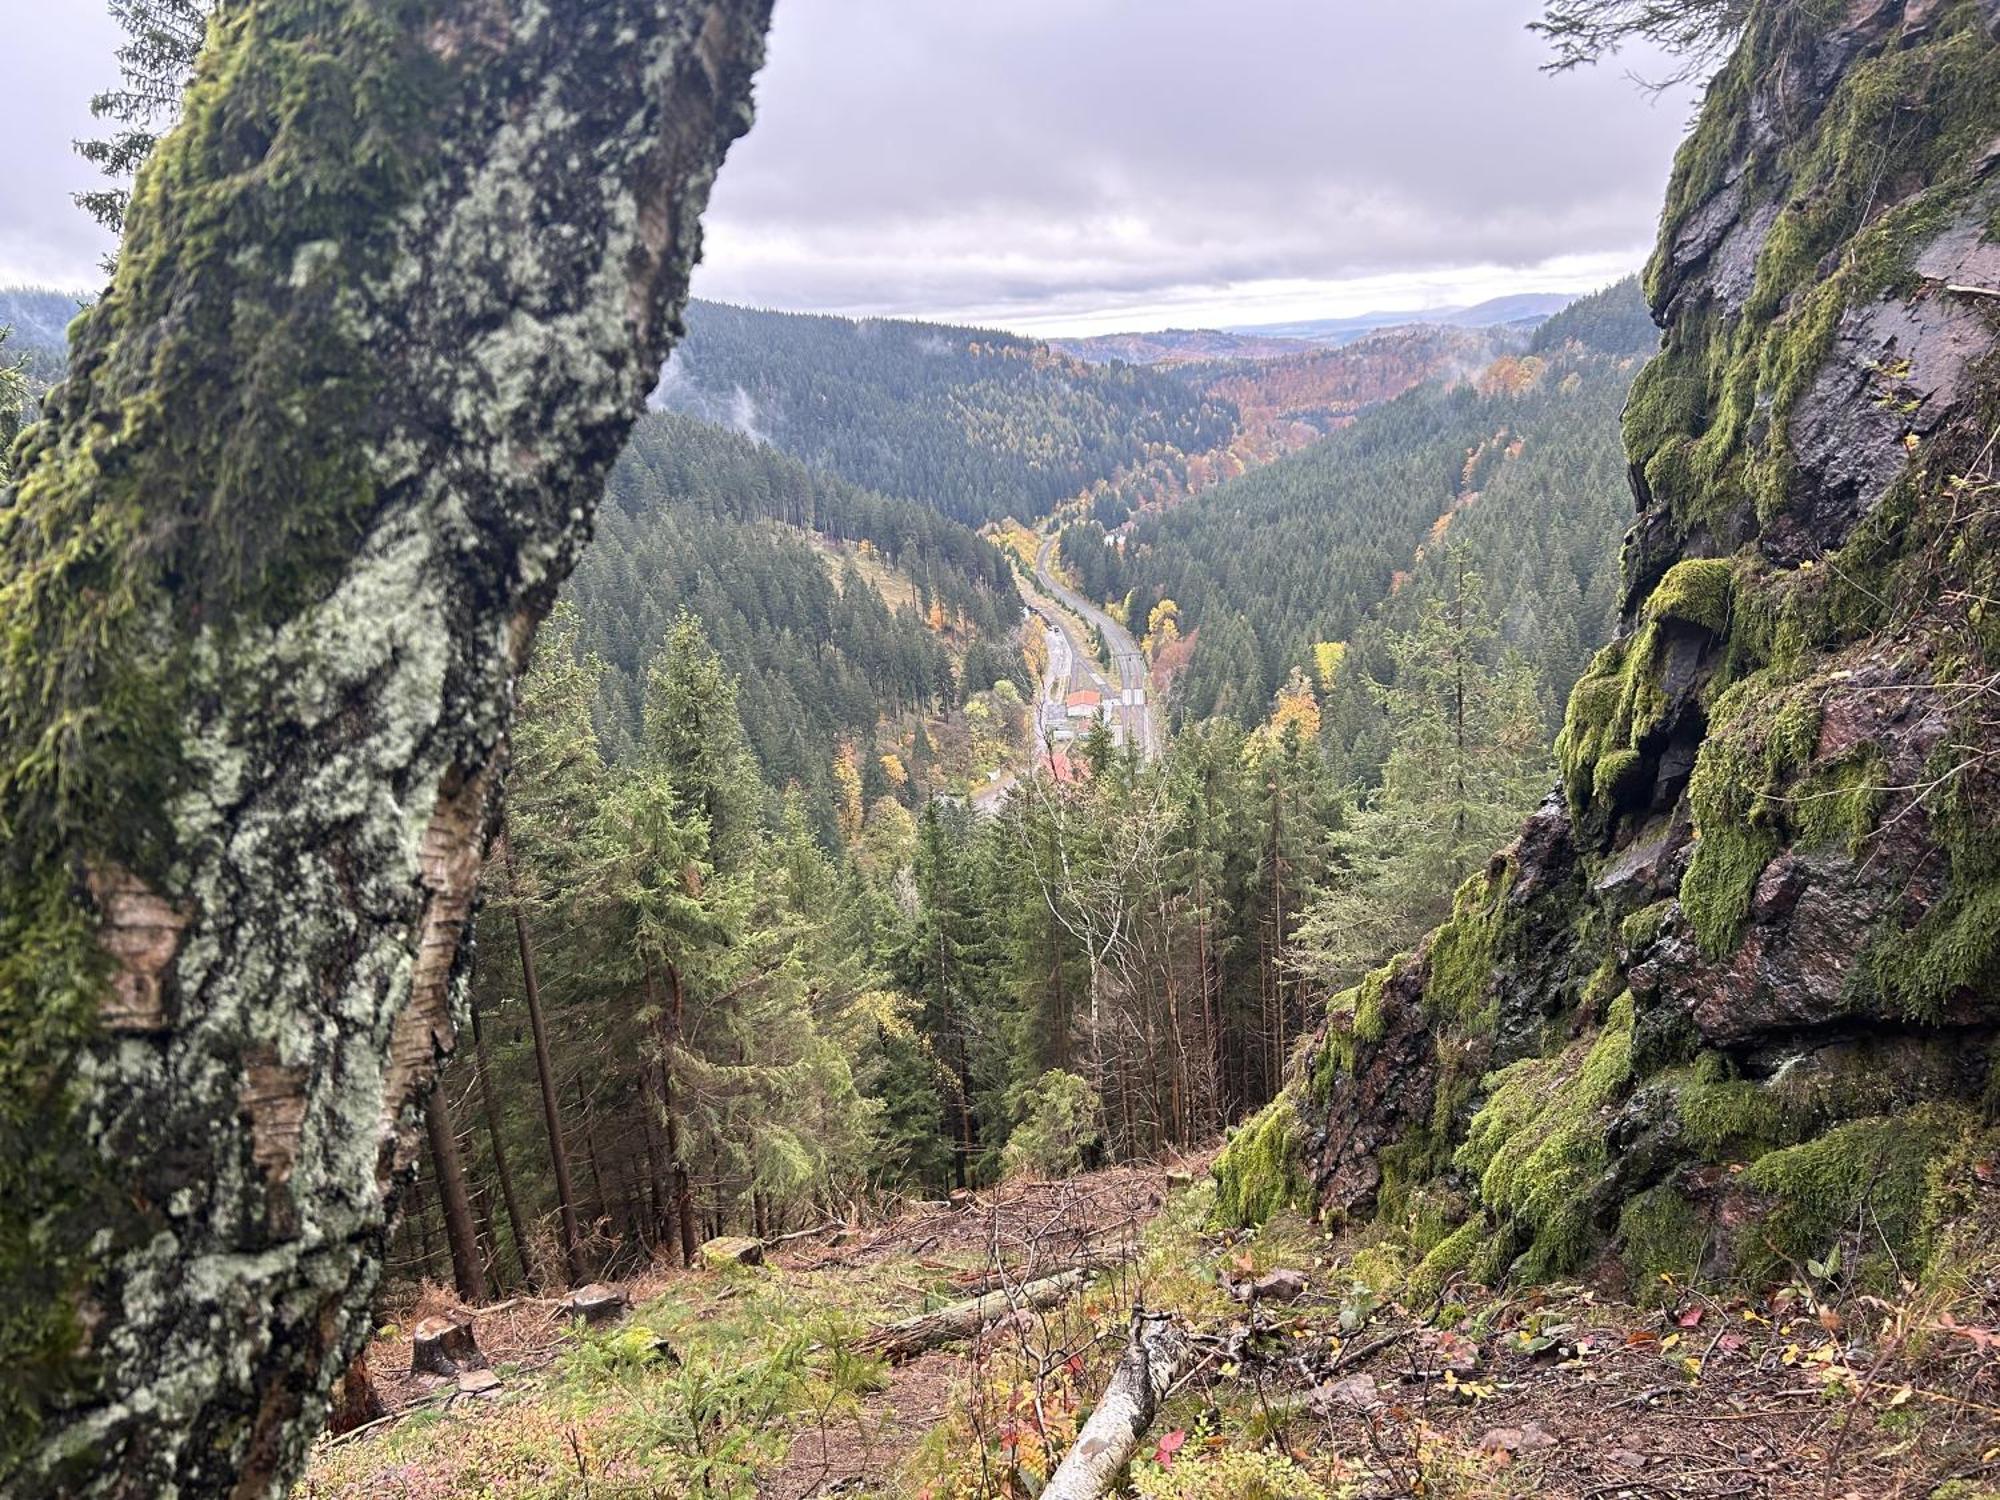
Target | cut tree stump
(732,1250)
(962,1320)
(444,1346)
(597,1303)
(1155,1354)
(354,1401)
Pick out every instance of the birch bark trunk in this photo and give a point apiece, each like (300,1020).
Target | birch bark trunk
(390,298)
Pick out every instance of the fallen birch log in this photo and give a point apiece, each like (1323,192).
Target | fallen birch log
(1154,1357)
(962,1320)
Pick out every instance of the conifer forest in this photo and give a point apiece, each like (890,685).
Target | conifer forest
(1032,856)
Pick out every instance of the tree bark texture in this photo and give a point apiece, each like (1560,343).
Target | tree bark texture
(389,300)
(1154,1357)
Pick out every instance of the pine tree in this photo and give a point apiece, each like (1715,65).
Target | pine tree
(162,40)
(1467,760)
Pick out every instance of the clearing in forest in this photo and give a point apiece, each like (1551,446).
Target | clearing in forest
(773,1381)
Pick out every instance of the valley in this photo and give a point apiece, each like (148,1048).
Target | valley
(612,894)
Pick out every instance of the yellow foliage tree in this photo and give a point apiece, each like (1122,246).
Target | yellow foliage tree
(847,793)
(1297,704)
(1327,657)
(1035,650)
(1163,627)
(892,767)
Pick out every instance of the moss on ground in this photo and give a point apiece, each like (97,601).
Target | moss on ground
(1660,1236)
(1868,1180)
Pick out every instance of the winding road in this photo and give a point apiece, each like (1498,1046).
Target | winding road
(1133,710)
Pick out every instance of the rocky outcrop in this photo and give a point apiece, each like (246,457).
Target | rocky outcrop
(1733,995)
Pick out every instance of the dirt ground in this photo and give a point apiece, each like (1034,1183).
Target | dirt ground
(1557,1393)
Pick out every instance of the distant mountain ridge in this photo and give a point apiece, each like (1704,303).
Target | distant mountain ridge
(1516,308)
(976,423)
(39,319)
(1173,346)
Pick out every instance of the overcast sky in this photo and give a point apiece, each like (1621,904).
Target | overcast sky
(1084,165)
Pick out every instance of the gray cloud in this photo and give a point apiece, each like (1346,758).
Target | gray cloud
(1022,158)
(57,57)
(1048,162)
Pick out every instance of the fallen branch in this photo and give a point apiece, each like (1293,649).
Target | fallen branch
(828,1227)
(1153,1357)
(962,1320)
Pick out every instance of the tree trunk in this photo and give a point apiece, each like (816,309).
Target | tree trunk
(545,1074)
(1154,1356)
(273,557)
(961,1320)
(602,1218)
(489,1103)
(466,1271)
(673,1017)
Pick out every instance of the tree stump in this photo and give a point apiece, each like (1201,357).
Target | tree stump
(444,1346)
(597,1303)
(732,1250)
(961,1199)
(354,1401)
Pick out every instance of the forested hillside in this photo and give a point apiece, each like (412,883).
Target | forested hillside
(37,319)
(979,424)
(1289,403)
(787,571)
(1520,467)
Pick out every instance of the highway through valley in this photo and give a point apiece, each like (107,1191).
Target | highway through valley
(1128,688)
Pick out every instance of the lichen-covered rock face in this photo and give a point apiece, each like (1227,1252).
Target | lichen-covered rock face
(1735,994)
(389,299)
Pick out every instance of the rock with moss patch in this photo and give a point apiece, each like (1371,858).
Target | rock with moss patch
(731,1250)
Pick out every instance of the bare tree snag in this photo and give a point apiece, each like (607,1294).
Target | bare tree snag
(963,1320)
(545,1075)
(1154,1357)
(461,1233)
(389,300)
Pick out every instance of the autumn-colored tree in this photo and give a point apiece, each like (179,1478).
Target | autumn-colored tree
(1297,704)
(1163,628)
(1327,657)
(847,794)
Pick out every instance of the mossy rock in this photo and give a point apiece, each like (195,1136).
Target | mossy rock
(1258,1172)
(1867,1181)
(1698,592)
